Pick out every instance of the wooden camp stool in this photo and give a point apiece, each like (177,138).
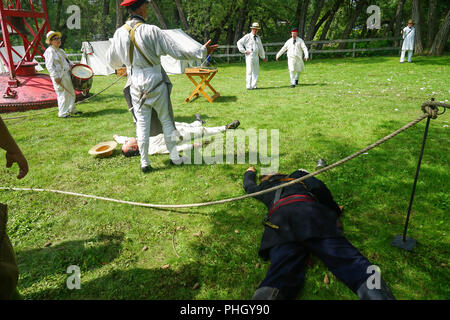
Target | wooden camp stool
(206,76)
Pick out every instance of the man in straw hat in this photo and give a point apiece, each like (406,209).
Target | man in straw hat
(58,66)
(296,49)
(303,219)
(251,45)
(408,34)
(139,46)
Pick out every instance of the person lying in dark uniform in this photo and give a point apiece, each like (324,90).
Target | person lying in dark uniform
(303,218)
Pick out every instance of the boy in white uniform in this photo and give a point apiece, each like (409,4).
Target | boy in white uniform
(295,48)
(408,34)
(58,66)
(251,45)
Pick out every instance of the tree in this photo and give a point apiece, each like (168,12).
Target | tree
(418,46)
(337,4)
(106,15)
(182,15)
(240,22)
(119,14)
(431,22)
(302,10)
(158,14)
(312,24)
(361,4)
(441,37)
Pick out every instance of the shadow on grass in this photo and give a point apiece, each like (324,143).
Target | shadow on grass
(88,254)
(93,114)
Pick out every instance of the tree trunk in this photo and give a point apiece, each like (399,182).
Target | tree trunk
(105,14)
(302,10)
(330,19)
(351,23)
(418,46)
(240,22)
(219,29)
(441,37)
(431,22)
(182,15)
(396,25)
(158,14)
(119,14)
(58,14)
(312,24)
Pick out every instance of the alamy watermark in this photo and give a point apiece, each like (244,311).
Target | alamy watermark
(239,146)
(374,21)
(74,280)
(374,281)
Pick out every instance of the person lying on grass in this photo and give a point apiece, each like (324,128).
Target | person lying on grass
(303,218)
(187,131)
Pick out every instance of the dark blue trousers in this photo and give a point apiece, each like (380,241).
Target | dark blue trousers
(288,264)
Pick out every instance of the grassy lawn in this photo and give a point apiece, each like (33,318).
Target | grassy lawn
(340,106)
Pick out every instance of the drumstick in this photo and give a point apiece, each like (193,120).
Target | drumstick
(72,93)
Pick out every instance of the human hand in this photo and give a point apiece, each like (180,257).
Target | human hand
(306,59)
(210,48)
(20,160)
(251,169)
(247,52)
(265,60)
(58,80)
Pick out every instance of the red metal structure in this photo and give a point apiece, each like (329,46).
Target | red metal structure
(24,23)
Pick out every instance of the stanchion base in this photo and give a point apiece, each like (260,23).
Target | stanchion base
(409,244)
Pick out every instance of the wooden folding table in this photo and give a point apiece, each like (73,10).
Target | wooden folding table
(206,76)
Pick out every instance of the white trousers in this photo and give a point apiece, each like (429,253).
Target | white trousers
(252,63)
(402,57)
(66,97)
(158,99)
(294,77)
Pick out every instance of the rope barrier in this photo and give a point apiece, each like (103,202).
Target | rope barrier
(429,109)
(77,103)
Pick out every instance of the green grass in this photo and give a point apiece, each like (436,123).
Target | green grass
(340,106)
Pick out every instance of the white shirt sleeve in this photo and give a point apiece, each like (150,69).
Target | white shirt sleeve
(262,53)
(241,44)
(282,50)
(305,49)
(112,56)
(52,64)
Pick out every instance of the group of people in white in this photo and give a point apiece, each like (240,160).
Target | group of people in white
(139,46)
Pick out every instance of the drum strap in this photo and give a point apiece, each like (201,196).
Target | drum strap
(133,43)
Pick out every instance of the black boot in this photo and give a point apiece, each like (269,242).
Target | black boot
(199,118)
(267,293)
(147,169)
(233,125)
(364,293)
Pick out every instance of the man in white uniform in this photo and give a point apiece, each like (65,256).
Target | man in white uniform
(295,48)
(188,131)
(150,85)
(408,34)
(58,66)
(251,45)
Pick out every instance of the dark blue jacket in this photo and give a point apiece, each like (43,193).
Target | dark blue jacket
(297,221)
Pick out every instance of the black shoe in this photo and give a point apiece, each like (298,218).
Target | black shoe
(66,116)
(296,82)
(78,113)
(233,125)
(147,169)
(292,85)
(199,118)
(383,293)
(177,164)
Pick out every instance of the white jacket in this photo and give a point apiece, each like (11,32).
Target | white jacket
(248,43)
(56,62)
(408,38)
(295,54)
(154,43)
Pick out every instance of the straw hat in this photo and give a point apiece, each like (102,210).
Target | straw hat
(411,21)
(255,25)
(103,149)
(50,34)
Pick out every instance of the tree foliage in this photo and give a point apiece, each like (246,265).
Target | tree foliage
(225,21)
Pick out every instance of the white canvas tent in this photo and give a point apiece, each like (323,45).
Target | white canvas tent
(94,54)
(16,58)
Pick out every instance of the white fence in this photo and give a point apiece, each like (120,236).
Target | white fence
(227,49)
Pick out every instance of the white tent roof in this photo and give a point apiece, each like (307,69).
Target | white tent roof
(16,58)
(94,54)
